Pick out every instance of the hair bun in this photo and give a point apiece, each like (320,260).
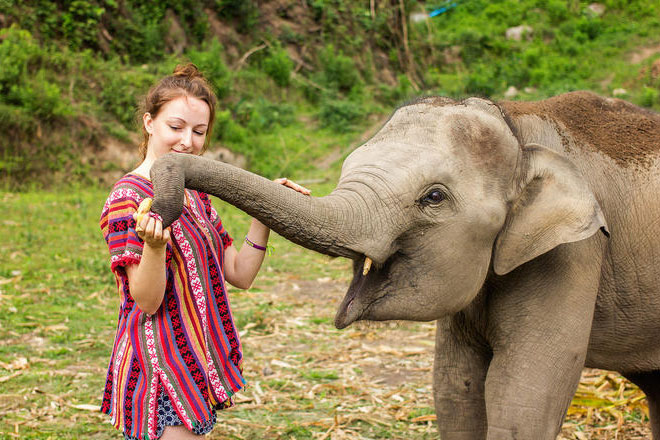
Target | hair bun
(189,71)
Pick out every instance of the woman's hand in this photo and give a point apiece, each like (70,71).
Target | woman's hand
(148,279)
(150,230)
(293,185)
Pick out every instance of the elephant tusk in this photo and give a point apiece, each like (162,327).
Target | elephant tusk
(367,266)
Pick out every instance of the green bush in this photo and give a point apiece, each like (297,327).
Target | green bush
(209,60)
(445,84)
(483,81)
(80,23)
(267,116)
(141,29)
(340,114)
(503,14)
(278,66)
(40,97)
(474,45)
(228,130)
(262,115)
(23,80)
(650,97)
(245,12)
(339,71)
(122,93)
(591,27)
(42,19)
(289,36)
(557,10)
(143,40)
(16,120)
(18,51)
(402,91)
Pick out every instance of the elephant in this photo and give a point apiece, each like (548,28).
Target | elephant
(529,231)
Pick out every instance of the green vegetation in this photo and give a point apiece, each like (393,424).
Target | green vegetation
(568,46)
(296,80)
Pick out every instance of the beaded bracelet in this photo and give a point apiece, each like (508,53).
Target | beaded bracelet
(267,248)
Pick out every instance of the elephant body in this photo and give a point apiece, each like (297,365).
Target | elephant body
(619,157)
(529,231)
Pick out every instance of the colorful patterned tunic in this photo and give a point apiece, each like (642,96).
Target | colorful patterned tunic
(189,348)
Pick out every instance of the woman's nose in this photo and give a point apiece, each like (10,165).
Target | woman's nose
(186,138)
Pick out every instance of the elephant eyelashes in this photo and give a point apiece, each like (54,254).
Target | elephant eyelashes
(433,197)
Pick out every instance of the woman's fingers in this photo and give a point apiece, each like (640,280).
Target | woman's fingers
(149,227)
(151,230)
(301,189)
(293,185)
(158,230)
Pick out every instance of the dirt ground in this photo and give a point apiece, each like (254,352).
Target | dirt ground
(383,371)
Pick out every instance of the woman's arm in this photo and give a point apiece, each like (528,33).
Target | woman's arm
(241,267)
(147,279)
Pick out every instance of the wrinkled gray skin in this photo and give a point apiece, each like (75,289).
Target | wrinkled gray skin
(501,238)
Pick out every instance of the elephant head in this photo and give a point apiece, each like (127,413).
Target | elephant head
(441,197)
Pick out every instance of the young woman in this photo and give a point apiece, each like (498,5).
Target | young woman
(176,357)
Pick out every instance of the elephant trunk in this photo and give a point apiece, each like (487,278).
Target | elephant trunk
(322,224)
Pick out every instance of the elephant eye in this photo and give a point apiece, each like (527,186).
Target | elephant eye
(433,197)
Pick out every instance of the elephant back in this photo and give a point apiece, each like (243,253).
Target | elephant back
(628,134)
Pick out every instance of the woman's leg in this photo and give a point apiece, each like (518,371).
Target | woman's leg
(179,432)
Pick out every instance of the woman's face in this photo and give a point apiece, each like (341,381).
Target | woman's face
(179,127)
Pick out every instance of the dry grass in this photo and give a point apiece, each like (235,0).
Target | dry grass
(307,380)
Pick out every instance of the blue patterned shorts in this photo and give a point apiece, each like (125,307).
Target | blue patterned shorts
(167,416)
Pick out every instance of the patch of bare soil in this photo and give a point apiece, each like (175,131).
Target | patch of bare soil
(381,373)
(644,53)
(112,159)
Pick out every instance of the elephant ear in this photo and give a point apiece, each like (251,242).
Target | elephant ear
(554,205)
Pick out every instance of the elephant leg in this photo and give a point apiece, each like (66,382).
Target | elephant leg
(540,320)
(458,383)
(649,382)
(529,400)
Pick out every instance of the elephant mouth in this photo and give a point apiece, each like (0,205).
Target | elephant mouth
(357,302)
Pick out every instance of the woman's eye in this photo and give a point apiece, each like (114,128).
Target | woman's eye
(175,128)
(433,197)
(201,133)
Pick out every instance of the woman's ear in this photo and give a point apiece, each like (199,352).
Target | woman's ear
(148,122)
(553,204)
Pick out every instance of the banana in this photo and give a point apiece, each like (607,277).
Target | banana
(142,210)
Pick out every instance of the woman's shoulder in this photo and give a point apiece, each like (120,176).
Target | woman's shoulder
(136,183)
(129,189)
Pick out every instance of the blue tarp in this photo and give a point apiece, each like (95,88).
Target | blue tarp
(442,9)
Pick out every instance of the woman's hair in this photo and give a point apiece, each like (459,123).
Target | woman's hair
(186,80)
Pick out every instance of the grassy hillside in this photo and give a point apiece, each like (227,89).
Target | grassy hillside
(297,81)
